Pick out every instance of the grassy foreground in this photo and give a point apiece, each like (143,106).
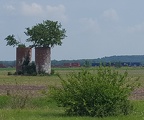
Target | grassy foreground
(45,109)
(54,113)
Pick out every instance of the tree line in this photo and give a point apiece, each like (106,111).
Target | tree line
(126,58)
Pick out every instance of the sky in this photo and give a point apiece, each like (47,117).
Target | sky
(94,28)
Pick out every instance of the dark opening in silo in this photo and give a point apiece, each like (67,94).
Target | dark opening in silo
(22,54)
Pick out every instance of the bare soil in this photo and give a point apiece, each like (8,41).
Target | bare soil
(32,90)
(137,94)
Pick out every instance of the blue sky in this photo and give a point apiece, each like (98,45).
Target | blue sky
(95,28)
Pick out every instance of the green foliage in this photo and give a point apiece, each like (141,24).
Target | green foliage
(101,93)
(10,73)
(46,34)
(21,45)
(11,41)
(87,63)
(29,68)
(118,64)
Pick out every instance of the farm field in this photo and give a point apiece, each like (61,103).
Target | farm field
(43,108)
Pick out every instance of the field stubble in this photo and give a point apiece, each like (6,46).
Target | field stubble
(34,84)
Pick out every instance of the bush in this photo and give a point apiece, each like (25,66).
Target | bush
(101,93)
(30,69)
(27,68)
(10,73)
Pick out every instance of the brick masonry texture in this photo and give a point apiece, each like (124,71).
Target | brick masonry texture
(21,54)
(43,59)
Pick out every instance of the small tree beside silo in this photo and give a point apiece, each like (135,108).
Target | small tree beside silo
(44,36)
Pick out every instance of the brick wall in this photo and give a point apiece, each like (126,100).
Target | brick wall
(21,54)
(43,59)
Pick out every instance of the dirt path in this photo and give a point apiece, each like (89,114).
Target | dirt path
(21,87)
(32,90)
(137,94)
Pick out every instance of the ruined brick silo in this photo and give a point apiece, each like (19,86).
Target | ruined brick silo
(22,53)
(43,59)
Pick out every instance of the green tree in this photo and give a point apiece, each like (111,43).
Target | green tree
(22,57)
(45,35)
(11,41)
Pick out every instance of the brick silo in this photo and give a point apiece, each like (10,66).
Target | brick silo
(43,59)
(22,53)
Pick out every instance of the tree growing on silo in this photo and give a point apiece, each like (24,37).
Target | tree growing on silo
(44,36)
(23,55)
(11,41)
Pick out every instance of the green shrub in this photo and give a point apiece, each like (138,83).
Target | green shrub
(21,45)
(52,71)
(10,73)
(30,69)
(99,93)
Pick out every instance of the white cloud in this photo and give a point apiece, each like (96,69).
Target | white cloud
(56,12)
(51,12)
(90,24)
(136,28)
(110,14)
(9,7)
(33,9)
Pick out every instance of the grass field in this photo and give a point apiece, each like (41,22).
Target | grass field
(42,108)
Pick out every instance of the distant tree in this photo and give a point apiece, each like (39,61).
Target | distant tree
(46,34)
(87,63)
(118,64)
